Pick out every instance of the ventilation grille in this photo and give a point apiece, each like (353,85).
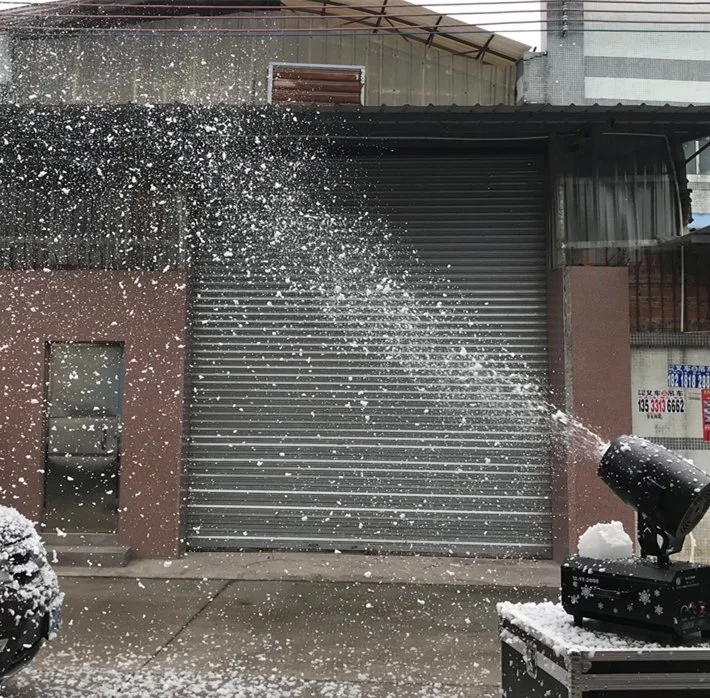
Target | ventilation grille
(310,84)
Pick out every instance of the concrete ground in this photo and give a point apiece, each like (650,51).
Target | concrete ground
(283,624)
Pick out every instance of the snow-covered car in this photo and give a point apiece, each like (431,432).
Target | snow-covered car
(30,600)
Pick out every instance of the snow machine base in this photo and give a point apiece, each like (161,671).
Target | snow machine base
(535,666)
(673,599)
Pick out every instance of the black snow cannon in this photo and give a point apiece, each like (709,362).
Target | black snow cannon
(670,496)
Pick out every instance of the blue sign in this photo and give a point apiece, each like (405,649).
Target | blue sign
(688,376)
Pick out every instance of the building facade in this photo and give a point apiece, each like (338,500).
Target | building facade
(627,54)
(314,288)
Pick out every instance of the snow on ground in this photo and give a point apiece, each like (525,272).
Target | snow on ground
(70,675)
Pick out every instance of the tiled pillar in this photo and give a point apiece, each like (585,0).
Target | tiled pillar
(590,378)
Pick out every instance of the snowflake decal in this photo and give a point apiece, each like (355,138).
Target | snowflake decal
(630,607)
(644,597)
(659,610)
(656,592)
(600,605)
(586,591)
(574,599)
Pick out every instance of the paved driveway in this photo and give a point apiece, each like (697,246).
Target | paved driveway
(127,637)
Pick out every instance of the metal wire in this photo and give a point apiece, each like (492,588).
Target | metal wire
(374,6)
(39,17)
(244,14)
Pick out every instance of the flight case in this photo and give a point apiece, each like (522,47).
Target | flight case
(544,656)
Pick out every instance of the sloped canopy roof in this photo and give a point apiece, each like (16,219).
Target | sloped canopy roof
(419,23)
(410,21)
(696,237)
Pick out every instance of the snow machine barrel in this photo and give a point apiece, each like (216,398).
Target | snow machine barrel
(670,494)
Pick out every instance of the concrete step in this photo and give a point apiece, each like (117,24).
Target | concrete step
(88,555)
(55,539)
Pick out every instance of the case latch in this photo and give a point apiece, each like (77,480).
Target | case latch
(530,659)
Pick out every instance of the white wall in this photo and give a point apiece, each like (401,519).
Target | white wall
(660,55)
(622,52)
(649,371)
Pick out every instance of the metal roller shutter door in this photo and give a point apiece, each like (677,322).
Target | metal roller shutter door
(297,443)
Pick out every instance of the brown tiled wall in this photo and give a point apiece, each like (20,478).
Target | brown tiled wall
(655,291)
(590,378)
(147,312)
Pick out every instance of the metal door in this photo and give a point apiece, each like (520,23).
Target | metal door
(299,439)
(83,436)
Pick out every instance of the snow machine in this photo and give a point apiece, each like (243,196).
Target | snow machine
(671,496)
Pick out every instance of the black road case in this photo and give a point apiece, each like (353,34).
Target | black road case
(543,655)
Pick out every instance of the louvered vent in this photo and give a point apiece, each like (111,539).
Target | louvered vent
(313,84)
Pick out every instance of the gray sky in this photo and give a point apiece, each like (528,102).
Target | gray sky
(488,15)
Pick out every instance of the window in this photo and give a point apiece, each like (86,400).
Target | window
(303,83)
(614,195)
(700,164)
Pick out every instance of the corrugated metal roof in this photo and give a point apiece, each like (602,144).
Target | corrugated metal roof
(697,237)
(422,24)
(430,125)
(408,20)
(517,121)
(521,109)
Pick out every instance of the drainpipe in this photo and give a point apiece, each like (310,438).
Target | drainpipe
(682,289)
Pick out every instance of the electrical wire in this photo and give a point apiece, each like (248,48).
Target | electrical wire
(340,31)
(374,5)
(318,8)
(54,8)
(57,17)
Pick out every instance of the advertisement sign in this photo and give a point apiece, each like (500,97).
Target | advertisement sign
(660,402)
(705,401)
(667,401)
(688,376)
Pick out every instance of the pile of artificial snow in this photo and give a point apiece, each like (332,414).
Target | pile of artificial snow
(23,557)
(68,674)
(606,541)
(549,623)
(14,526)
